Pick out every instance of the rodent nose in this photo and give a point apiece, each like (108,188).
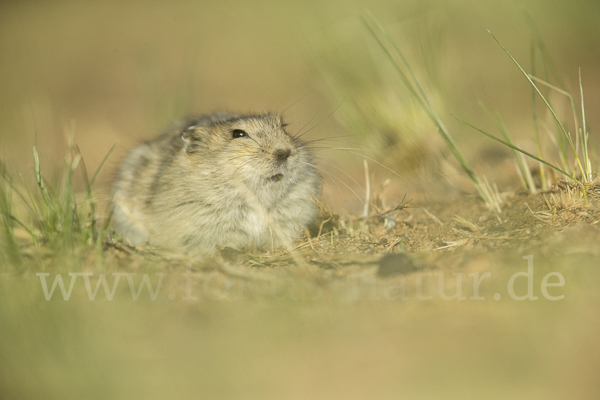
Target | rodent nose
(282,154)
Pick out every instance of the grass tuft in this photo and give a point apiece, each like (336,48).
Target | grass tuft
(512,146)
(412,83)
(54,216)
(567,136)
(585,176)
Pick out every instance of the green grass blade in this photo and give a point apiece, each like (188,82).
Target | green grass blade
(40,180)
(36,209)
(567,136)
(523,167)
(586,155)
(524,173)
(93,181)
(389,55)
(84,171)
(420,95)
(520,150)
(427,104)
(545,54)
(536,128)
(566,94)
(546,63)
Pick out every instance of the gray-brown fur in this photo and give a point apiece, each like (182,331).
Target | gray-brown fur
(196,186)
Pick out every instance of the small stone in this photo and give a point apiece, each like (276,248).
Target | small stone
(496,229)
(395,264)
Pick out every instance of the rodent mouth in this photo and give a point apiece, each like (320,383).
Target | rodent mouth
(276,178)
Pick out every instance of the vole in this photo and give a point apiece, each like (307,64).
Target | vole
(223,179)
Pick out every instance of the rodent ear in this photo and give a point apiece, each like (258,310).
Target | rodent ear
(191,138)
(188,134)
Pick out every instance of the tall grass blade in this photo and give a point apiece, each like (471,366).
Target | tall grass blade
(520,150)
(565,133)
(418,92)
(586,155)
(84,171)
(566,94)
(536,128)
(544,53)
(93,181)
(522,167)
(40,179)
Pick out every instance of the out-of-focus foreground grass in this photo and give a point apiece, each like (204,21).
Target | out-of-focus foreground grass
(309,346)
(118,72)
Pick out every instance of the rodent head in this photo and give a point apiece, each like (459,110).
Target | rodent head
(254,149)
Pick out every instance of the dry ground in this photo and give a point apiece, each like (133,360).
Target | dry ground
(331,319)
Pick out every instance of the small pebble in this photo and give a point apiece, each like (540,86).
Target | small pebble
(395,264)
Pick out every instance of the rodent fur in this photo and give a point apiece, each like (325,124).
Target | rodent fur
(202,184)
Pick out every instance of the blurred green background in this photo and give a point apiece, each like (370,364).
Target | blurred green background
(119,71)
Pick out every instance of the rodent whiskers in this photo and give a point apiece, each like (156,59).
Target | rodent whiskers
(334,178)
(299,134)
(349,150)
(343,172)
(306,143)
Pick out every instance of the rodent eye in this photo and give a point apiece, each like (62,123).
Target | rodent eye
(238,133)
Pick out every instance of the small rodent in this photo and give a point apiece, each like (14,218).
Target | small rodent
(217,180)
